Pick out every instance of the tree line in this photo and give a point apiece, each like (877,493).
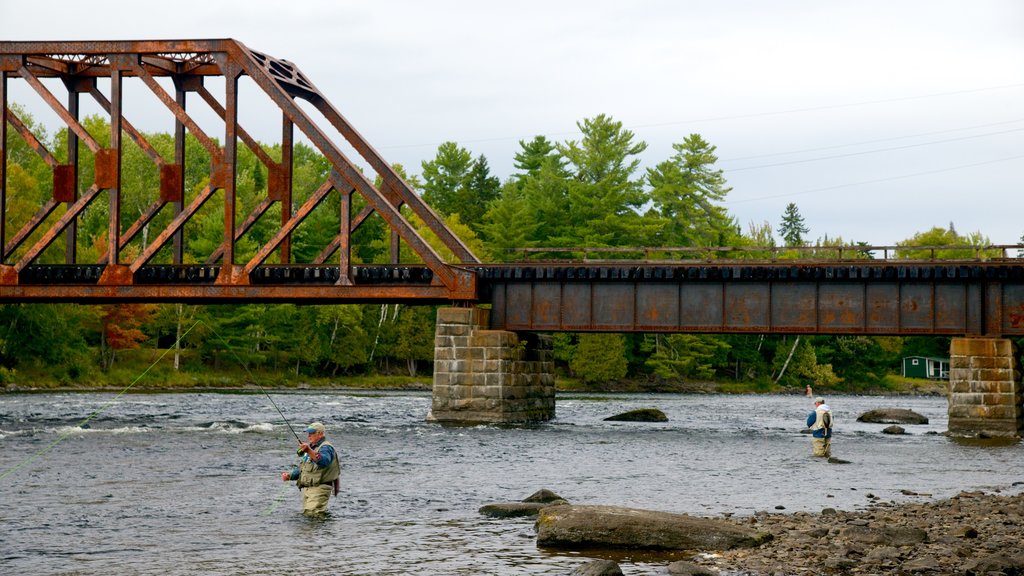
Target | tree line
(587,191)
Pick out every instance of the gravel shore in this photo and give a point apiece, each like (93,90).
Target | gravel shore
(973,533)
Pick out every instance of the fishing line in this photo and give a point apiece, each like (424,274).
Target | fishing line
(254,381)
(98,411)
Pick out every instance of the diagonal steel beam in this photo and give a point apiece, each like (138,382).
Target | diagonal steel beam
(132,132)
(336,242)
(30,226)
(31,139)
(72,213)
(246,138)
(215,152)
(312,202)
(136,227)
(242,228)
(61,111)
(451,277)
(149,251)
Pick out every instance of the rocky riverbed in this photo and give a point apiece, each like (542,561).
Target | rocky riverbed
(973,533)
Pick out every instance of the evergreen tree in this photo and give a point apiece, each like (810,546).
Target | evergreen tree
(603,197)
(792,227)
(685,190)
(535,154)
(600,357)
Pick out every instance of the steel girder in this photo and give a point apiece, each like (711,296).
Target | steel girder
(187,63)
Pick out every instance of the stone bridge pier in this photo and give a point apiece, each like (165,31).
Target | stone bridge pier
(984,388)
(483,375)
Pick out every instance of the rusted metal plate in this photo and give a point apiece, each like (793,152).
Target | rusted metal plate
(172,185)
(747,306)
(1013,303)
(614,307)
(916,305)
(950,309)
(577,301)
(546,302)
(64,183)
(794,307)
(840,307)
(106,169)
(519,305)
(882,308)
(702,306)
(657,307)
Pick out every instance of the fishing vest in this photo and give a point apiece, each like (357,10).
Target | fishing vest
(312,475)
(822,419)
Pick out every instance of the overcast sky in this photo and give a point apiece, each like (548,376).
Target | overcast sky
(879,119)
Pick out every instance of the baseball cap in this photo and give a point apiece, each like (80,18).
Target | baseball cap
(314,427)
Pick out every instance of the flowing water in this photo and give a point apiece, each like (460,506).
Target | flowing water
(190,483)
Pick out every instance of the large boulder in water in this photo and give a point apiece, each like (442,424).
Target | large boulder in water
(640,415)
(581,527)
(892,416)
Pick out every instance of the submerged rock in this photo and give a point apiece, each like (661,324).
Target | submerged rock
(894,429)
(580,527)
(512,509)
(892,416)
(544,496)
(640,415)
(530,506)
(598,568)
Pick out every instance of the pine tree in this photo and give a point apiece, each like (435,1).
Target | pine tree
(792,227)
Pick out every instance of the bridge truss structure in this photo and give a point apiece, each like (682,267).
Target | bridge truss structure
(176,73)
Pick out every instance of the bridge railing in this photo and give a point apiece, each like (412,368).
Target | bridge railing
(987,253)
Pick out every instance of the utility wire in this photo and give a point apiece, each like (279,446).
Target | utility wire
(729,117)
(875,181)
(875,151)
(875,141)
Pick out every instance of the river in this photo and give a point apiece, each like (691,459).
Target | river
(190,483)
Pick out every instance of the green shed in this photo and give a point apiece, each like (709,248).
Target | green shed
(924,367)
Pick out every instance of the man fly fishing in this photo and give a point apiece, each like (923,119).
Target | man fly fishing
(317,473)
(820,423)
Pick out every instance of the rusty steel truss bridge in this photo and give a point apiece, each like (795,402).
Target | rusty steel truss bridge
(978,296)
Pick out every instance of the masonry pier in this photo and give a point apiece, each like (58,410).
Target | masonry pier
(483,375)
(984,388)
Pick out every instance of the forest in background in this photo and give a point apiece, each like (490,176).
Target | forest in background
(584,192)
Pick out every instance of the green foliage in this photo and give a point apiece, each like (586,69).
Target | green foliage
(937,237)
(454,183)
(686,356)
(599,357)
(685,192)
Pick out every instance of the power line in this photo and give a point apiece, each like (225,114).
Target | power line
(875,151)
(874,141)
(876,180)
(731,117)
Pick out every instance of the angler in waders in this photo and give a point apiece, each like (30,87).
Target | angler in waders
(317,473)
(820,423)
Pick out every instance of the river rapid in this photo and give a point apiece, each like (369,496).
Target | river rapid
(190,483)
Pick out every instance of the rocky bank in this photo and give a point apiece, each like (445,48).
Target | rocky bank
(973,534)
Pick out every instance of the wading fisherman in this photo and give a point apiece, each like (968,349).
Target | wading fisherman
(317,472)
(820,423)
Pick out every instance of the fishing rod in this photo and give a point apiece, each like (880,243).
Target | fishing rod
(289,424)
(257,382)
